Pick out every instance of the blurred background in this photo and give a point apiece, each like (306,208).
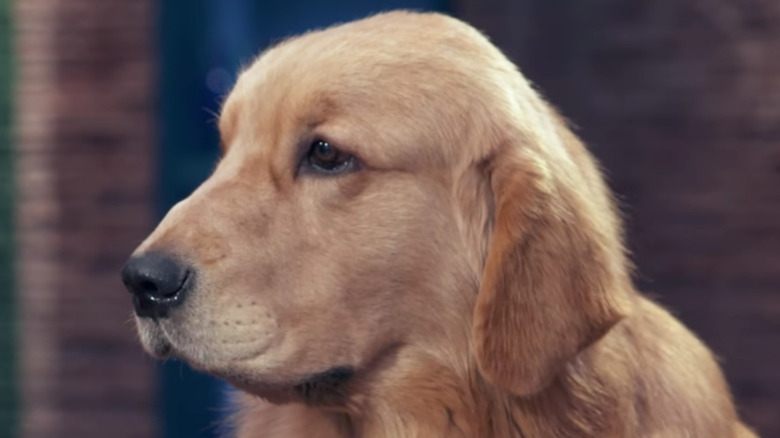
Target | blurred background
(106,120)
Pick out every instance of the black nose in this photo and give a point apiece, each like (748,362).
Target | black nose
(158,282)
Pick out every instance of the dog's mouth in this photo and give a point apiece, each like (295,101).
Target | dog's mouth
(328,388)
(162,350)
(154,339)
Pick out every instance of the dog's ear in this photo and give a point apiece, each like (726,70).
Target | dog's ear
(555,278)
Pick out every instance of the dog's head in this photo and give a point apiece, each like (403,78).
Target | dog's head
(389,186)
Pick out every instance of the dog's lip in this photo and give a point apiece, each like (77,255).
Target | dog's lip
(163,350)
(326,388)
(162,347)
(330,386)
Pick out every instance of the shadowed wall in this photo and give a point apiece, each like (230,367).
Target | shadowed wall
(680,100)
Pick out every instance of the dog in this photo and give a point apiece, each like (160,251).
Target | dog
(403,239)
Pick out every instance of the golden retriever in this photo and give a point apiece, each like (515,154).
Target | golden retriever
(402,239)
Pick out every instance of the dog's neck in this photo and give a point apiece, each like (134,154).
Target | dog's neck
(441,402)
(414,399)
(444,402)
(419,393)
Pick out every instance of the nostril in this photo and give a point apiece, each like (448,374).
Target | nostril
(148,287)
(179,288)
(157,281)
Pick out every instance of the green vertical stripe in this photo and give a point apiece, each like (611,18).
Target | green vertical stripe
(8,396)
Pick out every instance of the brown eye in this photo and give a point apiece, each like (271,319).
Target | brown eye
(323,157)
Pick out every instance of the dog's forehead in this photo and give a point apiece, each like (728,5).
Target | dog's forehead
(402,73)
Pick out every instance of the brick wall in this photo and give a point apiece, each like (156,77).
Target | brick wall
(681,102)
(85,170)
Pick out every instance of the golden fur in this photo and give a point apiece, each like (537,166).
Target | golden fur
(471,271)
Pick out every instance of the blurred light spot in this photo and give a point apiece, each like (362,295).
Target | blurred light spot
(219,80)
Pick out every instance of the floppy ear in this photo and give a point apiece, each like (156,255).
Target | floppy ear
(555,279)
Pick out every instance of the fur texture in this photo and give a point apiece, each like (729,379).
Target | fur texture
(467,279)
